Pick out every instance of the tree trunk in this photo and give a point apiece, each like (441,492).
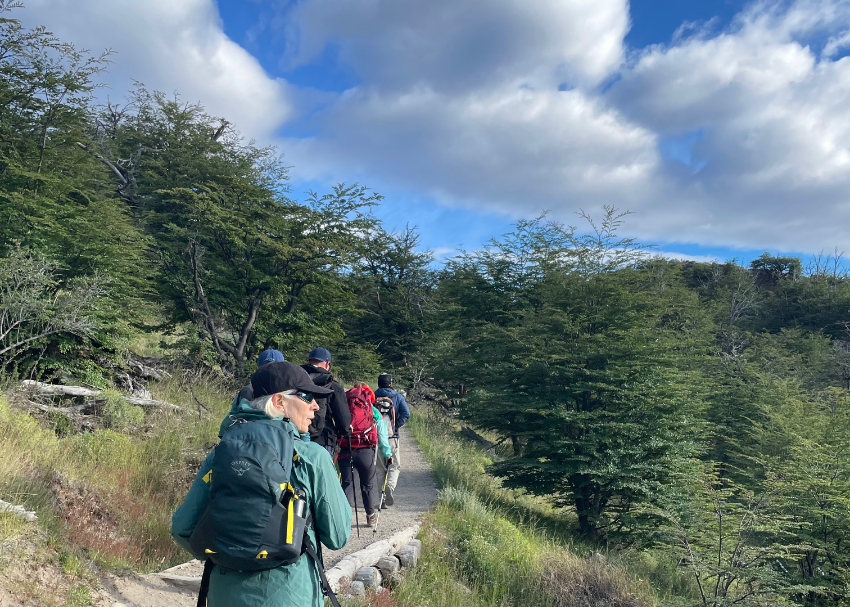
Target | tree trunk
(518,444)
(587,514)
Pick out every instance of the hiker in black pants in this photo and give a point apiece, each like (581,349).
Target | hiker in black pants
(333,419)
(368,434)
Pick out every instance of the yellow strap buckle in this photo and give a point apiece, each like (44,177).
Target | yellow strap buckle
(290,519)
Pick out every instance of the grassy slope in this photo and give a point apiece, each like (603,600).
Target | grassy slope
(488,546)
(103,499)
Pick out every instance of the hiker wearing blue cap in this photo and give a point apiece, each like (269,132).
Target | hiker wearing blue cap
(270,356)
(266,357)
(333,419)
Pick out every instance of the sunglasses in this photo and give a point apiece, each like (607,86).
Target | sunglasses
(307,397)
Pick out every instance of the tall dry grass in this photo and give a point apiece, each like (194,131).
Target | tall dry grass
(110,493)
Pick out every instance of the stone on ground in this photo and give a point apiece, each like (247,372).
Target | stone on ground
(370,577)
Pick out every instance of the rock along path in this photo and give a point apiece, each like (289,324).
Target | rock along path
(415,493)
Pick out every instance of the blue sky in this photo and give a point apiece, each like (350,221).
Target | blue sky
(444,227)
(724,126)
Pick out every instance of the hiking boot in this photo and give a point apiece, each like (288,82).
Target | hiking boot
(371,519)
(388,496)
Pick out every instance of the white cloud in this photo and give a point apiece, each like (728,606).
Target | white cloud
(512,148)
(464,45)
(458,100)
(775,121)
(443,253)
(172,46)
(483,125)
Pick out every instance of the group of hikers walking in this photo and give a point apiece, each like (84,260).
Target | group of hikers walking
(280,483)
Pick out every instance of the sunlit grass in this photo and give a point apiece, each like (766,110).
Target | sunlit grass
(487,545)
(126,485)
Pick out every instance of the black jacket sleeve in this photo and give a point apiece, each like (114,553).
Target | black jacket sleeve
(338,404)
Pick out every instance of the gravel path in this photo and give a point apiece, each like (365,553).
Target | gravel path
(413,496)
(415,493)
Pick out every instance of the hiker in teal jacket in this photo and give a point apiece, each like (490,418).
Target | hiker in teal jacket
(296,585)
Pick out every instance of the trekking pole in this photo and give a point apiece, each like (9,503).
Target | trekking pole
(336,463)
(354,486)
(383,496)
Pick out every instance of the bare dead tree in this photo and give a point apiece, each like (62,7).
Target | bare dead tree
(124,169)
(830,265)
(34,305)
(216,329)
(742,303)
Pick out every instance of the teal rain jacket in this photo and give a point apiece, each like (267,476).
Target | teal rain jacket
(383,439)
(296,585)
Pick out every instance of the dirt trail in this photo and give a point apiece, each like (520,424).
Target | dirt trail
(413,496)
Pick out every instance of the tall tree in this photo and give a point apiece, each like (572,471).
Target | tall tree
(395,285)
(55,198)
(577,365)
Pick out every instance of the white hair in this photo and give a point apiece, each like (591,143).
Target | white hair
(266,405)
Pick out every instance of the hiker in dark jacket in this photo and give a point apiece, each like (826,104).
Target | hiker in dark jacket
(333,419)
(402,414)
(247,393)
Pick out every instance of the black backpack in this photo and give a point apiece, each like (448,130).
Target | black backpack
(254,519)
(386,407)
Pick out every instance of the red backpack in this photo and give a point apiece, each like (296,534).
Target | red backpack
(364,431)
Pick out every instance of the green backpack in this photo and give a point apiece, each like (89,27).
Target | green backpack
(255,519)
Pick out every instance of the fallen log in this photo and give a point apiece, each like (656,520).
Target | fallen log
(62,390)
(346,568)
(28,515)
(369,556)
(142,369)
(190,583)
(63,410)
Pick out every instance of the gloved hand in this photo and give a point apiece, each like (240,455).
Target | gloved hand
(389,462)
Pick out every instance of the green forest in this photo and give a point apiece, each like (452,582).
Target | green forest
(700,411)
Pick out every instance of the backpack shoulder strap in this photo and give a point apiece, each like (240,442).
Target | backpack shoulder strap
(320,567)
(205,583)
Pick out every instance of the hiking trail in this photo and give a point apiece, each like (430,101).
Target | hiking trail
(415,493)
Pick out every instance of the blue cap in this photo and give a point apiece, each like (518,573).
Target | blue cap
(269,356)
(319,354)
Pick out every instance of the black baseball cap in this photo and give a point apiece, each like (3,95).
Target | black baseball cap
(282,376)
